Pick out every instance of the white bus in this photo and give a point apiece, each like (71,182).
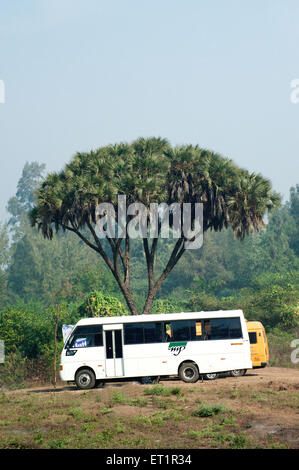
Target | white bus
(158,345)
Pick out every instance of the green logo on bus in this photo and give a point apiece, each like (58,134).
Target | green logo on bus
(176,348)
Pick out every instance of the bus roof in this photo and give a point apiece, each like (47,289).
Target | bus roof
(254,324)
(160,317)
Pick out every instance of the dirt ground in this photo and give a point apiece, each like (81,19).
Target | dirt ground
(265,402)
(269,376)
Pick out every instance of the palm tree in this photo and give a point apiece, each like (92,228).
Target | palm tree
(149,171)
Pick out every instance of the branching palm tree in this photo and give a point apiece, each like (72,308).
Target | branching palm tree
(149,171)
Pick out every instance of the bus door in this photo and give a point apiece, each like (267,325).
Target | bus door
(113,343)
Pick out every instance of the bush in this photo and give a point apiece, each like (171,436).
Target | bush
(13,373)
(97,304)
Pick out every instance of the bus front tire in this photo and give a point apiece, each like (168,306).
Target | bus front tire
(188,372)
(85,379)
(238,372)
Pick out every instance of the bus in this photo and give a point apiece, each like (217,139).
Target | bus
(147,347)
(259,349)
(258,344)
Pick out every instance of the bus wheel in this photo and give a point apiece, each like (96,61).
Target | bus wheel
(211,376)
(149,380)
(85,379)
(188,372)
(238,372)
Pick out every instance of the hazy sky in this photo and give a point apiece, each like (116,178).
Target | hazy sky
(80,74)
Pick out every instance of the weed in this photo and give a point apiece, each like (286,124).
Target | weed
(270,392)
(76,413)
(58,443)
(106,410)
(119,429)
(228,421)
(88,427)
(238,441)
(161,402)
(259,397)
(4,398)
(90,418)
(192,434)
(140,401)
(39,437)
(171,414)
(149,421)
(117,397)
(160,390)
(176,391)
(209,410)
(105,435)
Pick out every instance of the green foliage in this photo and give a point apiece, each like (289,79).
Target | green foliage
(209,410)
(13,373)
(161,390)
(98,304)
(166,306)
(30,329)
(24,331)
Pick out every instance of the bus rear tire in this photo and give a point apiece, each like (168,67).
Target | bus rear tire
(85,379)
(188,372)
(238,372)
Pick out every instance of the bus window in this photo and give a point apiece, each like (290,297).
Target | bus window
(252,337)
(152,332)
(86,337)
(143,333)
(183,330)
(222,328)
(133,333)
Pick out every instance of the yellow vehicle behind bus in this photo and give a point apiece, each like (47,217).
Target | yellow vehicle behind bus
(258,344)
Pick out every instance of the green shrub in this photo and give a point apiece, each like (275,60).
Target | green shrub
(13,373)
(209,410)
(160,390)
(97,304)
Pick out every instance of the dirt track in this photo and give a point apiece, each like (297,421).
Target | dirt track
(269,375)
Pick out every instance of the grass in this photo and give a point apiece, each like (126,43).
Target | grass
(161,390)
(117,397)
(156,416)
(209,410)
(139,401)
